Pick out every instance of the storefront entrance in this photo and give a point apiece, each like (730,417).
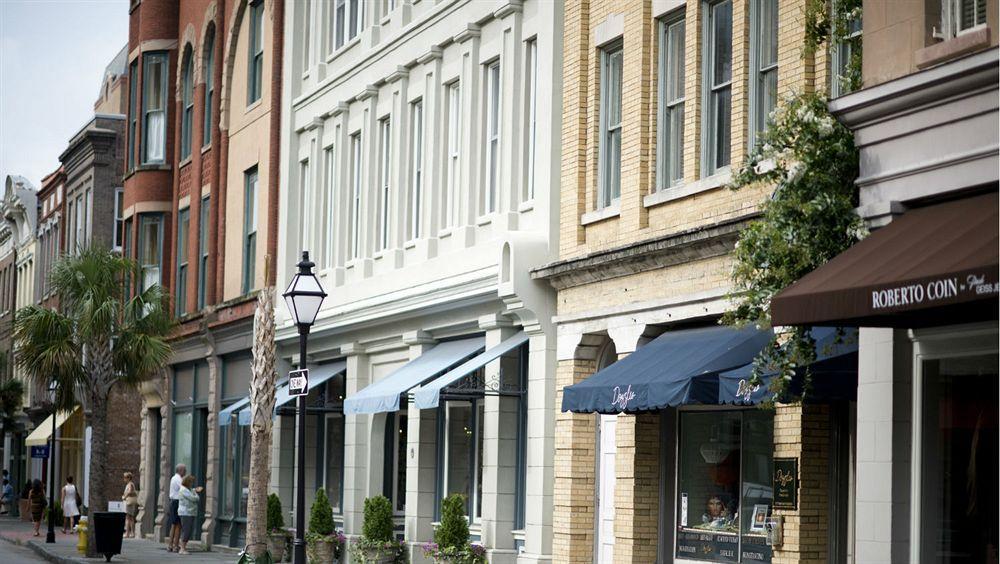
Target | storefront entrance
(606,489)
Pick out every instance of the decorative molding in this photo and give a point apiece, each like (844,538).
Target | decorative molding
(471,31)
(400,73)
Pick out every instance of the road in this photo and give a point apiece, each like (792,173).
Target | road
(12,553)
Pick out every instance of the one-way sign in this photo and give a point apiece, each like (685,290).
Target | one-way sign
(298,382)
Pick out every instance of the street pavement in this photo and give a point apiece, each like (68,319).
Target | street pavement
(22,546)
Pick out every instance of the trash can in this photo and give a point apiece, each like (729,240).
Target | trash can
(108,529)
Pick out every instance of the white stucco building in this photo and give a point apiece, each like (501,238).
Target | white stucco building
(420,166)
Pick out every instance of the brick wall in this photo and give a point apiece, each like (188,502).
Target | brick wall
(124,436)
(802,432)
(637,488)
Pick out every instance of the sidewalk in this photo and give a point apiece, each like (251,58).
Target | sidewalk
(133,550)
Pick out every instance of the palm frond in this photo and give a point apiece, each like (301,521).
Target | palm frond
(141,348)
(46,346)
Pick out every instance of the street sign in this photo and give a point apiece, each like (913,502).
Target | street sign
(298,382)
(40,451)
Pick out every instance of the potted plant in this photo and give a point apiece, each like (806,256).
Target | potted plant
(277,536)
(378,544)
(451,538)
(323,542)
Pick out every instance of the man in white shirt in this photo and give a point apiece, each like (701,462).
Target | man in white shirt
(173,519)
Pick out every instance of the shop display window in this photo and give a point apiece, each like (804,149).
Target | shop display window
(724,485)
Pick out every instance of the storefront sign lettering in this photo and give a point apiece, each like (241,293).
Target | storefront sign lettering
(620,398)
(941,289)
(745,391)
(786,483)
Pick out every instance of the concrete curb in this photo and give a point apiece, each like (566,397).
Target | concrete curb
(39,549)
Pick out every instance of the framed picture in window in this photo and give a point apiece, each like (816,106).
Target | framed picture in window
(759,518)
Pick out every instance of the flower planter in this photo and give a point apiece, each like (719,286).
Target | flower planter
(376,556)
(321,551)
(276,545)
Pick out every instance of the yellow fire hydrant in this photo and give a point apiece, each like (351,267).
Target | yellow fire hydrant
(81,529)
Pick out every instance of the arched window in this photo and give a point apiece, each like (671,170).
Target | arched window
(209,59)
(187,98)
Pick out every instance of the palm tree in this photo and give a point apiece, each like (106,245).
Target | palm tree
(100,338)
(262,396)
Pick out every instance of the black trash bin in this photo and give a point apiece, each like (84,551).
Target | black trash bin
(108,528)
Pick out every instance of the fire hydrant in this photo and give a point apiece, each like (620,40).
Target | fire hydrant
(81,529)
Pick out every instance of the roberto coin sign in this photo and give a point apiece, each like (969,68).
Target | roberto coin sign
(786,483)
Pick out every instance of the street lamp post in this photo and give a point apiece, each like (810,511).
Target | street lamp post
(303,297)
(50,537)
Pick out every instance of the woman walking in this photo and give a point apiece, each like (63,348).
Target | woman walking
(37,503)
(70,501)
(187,509)
(131,499)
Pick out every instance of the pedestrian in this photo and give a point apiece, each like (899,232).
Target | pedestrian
(188,509)
(6,496)
(70,501)
(131,499)
(37,503)
(173,518)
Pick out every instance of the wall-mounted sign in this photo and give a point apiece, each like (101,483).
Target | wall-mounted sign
(786,483)
(41,451)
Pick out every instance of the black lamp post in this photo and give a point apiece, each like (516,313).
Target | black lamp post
(50,537)
(303,296)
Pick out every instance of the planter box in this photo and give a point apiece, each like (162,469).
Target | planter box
(276,545)
(321,552)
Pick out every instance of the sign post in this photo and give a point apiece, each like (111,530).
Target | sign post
(298,383)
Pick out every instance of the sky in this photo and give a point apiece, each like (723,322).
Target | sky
(52,59)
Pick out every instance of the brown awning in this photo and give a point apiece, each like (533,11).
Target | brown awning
(932,266)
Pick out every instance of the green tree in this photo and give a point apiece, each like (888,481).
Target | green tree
(377,525)
(98,339)
(321,515)
(453,532)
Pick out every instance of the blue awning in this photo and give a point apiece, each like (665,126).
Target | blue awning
(834,373)
(428,395)
(676,368)
(317,376)
(383,396)
(226,414)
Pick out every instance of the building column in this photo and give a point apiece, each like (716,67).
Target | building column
(356,442)
(212,447)
(421,463)
(499,464)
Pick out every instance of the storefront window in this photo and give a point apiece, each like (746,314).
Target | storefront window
(335,460)
(724,485)
(959,460)
(183,434)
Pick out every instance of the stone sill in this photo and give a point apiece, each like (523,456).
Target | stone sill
(608,212)
(955,47)
(680,191)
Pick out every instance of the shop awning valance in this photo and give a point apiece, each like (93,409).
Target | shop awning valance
(834,373)
(936,265)
(40,436)
(317,376)
(383,396)
(230,412)
(676,368)
(428,395)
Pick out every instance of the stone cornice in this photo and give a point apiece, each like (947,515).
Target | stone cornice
(667,250)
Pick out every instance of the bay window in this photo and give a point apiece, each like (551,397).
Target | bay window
(150,249)
(133,95)
(154,107)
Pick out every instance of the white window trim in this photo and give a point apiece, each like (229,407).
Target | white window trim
(385,182)
(663,180)
(604,198)
(416,196)
(118,236)
(709,166)
(355,211)
(951,20)
(531,71)
(494,127)
(453,168)
(756,72)
(330,165)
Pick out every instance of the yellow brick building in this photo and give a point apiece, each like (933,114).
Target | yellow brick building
(661,101)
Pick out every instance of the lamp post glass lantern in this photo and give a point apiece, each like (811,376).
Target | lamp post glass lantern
(50,536)
(304,296)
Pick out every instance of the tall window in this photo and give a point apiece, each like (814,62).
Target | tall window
(340,20)
(127,252)
(307,202)
(150,249)
(256,56)
(180,293)
(845,56)
(454,152)
(119,218)
(354,24)
(384,173)
(133,95)
(394,476)
(355,238)
(328,191)
(203,216)
(206,130)
(670,159)
(348,21)
(187,104)
(307,52)
(610,155)
(463,452)
(154,107)
(531,66)
(249,228)
(763,64)
(492,137)
(417,172)
(718,51)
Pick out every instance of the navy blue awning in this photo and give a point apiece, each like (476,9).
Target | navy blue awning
(834,373)
(676,368)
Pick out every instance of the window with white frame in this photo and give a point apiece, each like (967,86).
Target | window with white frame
(384,175)
(133,119)
(531,89)
(763,65)
(492,138)
(387,7)
(119,218)
(81,223)
(845,59)
(450,208)
(154,107)
(150,249)
(307,52)
(348,21)
(187,103)
(206,130)
(395,443)
(250,192)
(330,164)
(670,161)
(203,217)
(610,143)
(961,16)
(180,292)
(255,57)
(307,205)
(355,213)
(718,55)
(463,453)
(417,167)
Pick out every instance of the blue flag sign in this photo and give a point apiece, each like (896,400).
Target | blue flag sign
(40,451)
